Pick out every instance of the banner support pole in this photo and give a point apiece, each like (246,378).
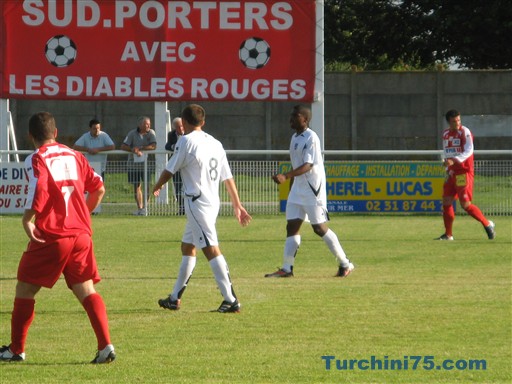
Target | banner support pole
(317,107)
(162,126)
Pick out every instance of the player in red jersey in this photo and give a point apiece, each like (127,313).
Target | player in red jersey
(458,160)
(58,224)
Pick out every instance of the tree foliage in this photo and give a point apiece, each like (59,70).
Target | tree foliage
(418,34)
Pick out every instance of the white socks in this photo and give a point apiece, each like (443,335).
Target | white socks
(186,268)
(220,270)
(334,245)
(290,250)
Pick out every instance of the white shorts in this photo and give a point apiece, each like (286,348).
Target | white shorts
(316,214)
(200,228)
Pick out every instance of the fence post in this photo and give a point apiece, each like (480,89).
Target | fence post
(4,133)
(162,127)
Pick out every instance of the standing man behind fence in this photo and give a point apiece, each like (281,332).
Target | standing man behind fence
(94,142)
(138,141)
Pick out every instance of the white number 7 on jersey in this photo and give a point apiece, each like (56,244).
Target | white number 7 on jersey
(66,194)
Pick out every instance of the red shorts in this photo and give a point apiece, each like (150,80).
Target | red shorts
(43,263)
(460,186)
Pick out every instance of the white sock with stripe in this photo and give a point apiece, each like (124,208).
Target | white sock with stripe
(334,246)
(187,266)
(291,246)
(220,270)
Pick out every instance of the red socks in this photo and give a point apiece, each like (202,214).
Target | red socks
(97,312)
(22,316)
(476,213)
(448,218)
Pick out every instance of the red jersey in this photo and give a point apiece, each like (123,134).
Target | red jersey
(458,146)
(58,179)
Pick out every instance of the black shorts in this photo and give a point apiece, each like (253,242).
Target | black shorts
(136,173)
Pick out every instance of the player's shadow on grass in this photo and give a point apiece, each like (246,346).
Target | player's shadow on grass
(43,364)
(224,240)
(152,278)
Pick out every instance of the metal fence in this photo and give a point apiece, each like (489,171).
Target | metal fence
(257,191)
(260,195)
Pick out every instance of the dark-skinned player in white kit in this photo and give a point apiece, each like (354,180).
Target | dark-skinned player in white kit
(307,199)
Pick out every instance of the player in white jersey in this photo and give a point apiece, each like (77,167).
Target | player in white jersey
(203,164)
(307,199)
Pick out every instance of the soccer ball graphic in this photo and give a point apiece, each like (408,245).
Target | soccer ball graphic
(60,51)
(254,53)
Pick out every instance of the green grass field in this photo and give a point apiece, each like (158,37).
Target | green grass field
(409,296)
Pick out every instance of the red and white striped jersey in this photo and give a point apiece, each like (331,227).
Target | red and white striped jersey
(458,146)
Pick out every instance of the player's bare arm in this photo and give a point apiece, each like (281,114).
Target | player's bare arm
(448,162)
(94,198)
(165,176)
(241,214)
(281,178)
(29,227)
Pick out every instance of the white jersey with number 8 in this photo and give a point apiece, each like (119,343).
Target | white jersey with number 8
(203,164)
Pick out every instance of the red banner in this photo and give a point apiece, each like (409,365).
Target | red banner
(158,50)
